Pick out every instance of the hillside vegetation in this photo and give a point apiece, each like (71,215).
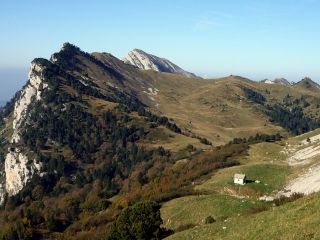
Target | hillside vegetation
(239,211)
(112,140)
(296,220)
(227,108)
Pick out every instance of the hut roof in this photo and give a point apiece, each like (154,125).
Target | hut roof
(240,176)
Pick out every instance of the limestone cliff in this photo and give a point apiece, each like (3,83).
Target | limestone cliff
(31,92)
(18,168)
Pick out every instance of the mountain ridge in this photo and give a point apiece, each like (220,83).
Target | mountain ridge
(144,90)
(282,81)
(146,61)
(89,135)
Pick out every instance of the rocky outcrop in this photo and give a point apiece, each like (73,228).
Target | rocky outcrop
(18,168)
(31,92)
(282,81)
(267,81)
(147,61)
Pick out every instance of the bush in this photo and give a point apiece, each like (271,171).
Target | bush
(142,221)
(209,219)
(190,148)
(256,210)
(205,141)
(283,200)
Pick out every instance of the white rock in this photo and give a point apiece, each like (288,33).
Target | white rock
(30,93)
(18,168)
(18,171)
(147,61)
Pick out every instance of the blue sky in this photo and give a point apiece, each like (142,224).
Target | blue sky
(254,39)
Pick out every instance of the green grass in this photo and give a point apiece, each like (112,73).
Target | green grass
(194,209)
(297,220)
(196,105)
(266,152)
(6,130)
(272,177)
(306,135)
(224,200)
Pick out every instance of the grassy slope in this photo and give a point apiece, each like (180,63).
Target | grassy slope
(224,198)
(194,104)
(194,209)
(215,108)
(297,220)
(197,105)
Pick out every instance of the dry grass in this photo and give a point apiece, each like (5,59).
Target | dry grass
(210,108)
(162,136)
(266,153)
(213,108)
(99,106)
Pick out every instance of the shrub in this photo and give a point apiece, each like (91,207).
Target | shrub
(283,200)
(205,141)
(142,221)
(209,219)
(256,210)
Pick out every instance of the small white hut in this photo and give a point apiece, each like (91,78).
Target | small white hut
(239,179)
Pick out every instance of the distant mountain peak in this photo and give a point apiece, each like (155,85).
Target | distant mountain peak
(309,84)
(147,61)
(282,81)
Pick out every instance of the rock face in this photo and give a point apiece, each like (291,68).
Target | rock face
(18,168)
(282,81)
(267,81)
(147,61)
(31,92)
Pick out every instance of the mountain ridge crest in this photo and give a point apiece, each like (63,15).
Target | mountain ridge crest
(146,61)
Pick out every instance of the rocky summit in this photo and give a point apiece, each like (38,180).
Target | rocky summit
(146,61)
(282,81)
